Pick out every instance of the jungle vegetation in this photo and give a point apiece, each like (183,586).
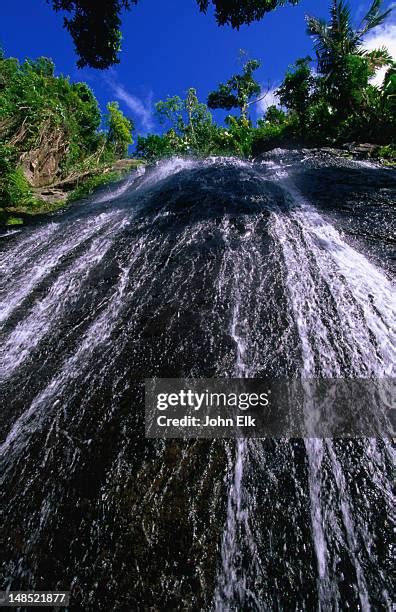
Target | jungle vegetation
(50,130)
(328,99)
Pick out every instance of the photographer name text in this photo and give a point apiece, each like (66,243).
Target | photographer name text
(218,421)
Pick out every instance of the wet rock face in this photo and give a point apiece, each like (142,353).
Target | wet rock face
(352,150)
(199,268)
(363,149)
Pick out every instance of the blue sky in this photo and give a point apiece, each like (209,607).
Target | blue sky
(170,46)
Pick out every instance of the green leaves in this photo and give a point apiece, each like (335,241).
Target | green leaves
(377,58)
(190,122)
(171,111)
(295,92)
(237,91)
(49,129)
(120,128)
(223,97)
(237,13)
(335,40)
(95,29)
(153,147)
(343,62)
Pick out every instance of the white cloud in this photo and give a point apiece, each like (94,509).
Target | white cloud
(383,36)
(136,105)
(142,109)
(270,99)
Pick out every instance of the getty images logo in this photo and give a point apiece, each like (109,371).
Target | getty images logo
(187,398)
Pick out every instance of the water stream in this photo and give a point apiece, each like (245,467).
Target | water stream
(218,267)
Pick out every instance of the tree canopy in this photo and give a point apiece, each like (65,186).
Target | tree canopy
(337,39)
(236,12)
(190,126)
(296,88)
(120,129)
(237,91)
(95,25)
(342,60)
(95,29)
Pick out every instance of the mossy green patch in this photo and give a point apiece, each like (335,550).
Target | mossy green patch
(14,221)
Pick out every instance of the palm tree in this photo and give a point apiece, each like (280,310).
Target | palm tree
(336,40)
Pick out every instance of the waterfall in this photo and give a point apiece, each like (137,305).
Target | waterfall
(355,340)
(197,268)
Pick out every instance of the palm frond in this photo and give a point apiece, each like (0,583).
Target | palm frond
(321,34)
(315,26)
(378,58)
(342,33)
(372,19)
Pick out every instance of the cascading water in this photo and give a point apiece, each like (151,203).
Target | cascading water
(214,268)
